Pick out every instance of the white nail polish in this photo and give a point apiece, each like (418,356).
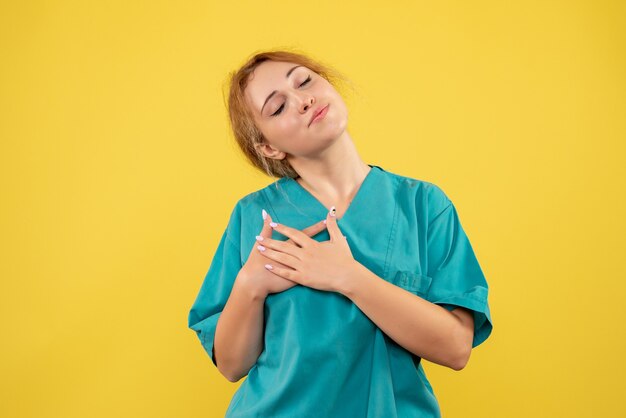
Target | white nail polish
(264,214)
(268,266)
(333,211)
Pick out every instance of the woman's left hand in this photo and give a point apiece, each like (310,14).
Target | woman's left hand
(320,265)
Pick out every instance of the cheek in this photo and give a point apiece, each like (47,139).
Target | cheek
(288,125)
(282,132)
(339,102)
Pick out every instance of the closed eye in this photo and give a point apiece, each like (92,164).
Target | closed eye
(280,109)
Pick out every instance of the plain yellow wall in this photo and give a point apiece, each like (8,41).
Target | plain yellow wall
(119,173)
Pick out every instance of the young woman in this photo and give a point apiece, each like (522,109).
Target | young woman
(331,284)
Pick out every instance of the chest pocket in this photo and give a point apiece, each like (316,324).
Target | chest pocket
(418,284)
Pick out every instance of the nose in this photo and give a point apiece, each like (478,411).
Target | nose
(306,104)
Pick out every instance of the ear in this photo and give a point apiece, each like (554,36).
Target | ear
(269,151)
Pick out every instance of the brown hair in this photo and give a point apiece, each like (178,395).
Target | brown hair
(241,119)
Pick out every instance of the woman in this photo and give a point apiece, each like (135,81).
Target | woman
(329,285)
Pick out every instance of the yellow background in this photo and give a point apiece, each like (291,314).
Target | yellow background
(119,172)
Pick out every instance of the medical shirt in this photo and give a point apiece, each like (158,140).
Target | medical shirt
(322,356)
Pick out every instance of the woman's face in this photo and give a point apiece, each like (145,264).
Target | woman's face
(285,116)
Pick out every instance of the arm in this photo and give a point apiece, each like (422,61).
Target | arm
(423,328)
(239,333)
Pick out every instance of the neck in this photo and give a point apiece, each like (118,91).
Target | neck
(336,173)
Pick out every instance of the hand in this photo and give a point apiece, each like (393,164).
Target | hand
(319,265)
(254,272)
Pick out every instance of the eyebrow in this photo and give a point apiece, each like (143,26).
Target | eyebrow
(274,92)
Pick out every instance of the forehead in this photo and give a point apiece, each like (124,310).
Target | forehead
(267,77)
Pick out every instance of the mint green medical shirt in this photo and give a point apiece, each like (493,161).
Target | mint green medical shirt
(323,357)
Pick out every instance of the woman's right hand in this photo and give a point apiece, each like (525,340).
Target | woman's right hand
(263,281)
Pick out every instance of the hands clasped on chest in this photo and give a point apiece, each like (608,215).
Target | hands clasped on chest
(274,266)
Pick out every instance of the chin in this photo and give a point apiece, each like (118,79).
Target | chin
(337,125)
(338,128)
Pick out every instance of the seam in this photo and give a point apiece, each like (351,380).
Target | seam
(392,232)
(466,296)
(270,206)
(439,214)
(230,240)
(236,247)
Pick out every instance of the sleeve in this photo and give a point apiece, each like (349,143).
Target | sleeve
(216,287)
(457,278)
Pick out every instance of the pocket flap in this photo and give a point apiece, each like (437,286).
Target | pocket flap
(413,282)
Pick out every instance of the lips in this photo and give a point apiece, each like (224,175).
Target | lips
(317,112)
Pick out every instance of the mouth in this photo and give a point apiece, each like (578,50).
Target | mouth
(319,114)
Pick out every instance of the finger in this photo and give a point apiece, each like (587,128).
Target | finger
(295,235)
(331,224)
(266,231)
(310,231)
(285,273)
(282,258)
(285,247)
(315,229)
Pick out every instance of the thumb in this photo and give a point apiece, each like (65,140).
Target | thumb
(331,225)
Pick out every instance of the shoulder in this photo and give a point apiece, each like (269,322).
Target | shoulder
(260,198)
(253,202)
(423,192)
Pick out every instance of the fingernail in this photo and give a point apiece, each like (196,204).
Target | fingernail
(273,224)
(324,221)
(264,214)
(333,211)
(259,238)
(268,266)
(260,247)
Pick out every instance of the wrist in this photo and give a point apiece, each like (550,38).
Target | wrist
(252,290)
(347,286)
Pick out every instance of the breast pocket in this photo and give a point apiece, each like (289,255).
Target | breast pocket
(418,284)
